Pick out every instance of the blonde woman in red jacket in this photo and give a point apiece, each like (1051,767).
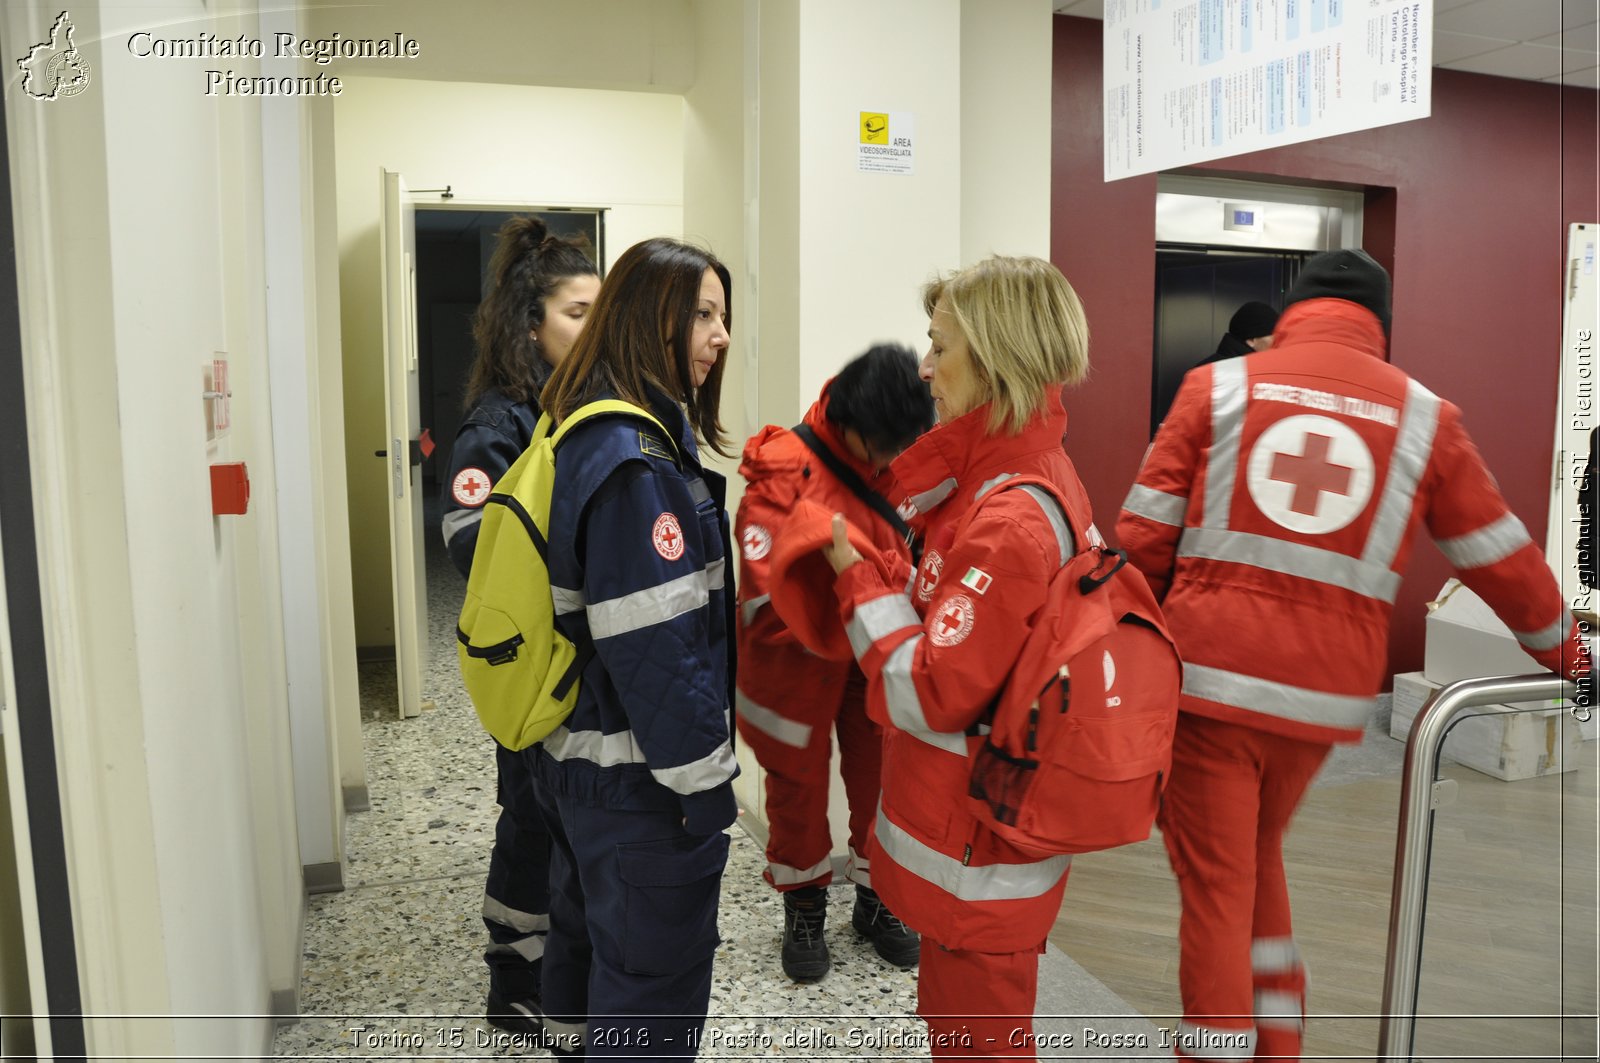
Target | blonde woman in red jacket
(1006,334)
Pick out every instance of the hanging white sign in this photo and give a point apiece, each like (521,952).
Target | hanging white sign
(1192,80)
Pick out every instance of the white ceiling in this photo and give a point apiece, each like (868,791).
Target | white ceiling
(1536,40)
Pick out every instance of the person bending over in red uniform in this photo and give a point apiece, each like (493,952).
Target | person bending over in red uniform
(790,701)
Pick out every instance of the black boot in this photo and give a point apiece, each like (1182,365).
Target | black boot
(805,951)
(893,940)
(513,993)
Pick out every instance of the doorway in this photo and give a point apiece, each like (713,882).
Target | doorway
(454,246)
(1197,291)
(1222,242)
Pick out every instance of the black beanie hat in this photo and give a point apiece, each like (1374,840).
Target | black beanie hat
(1346,274)
(1252,321)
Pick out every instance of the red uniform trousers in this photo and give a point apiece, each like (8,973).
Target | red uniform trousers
(978,1004)
(1232,793)
(800,840)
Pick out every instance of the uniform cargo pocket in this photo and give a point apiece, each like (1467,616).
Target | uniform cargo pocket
(671,909)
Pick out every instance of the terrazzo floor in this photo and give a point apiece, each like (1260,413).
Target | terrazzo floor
(392,964)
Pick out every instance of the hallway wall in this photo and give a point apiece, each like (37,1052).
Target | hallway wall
(141,248)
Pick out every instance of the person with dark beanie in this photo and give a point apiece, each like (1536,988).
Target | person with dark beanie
(1249,330)
(792,701)
(1273,517)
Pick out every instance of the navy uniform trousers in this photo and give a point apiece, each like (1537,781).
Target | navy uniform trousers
(633,922)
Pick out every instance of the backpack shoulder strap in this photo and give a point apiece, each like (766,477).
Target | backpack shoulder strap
(848,476)
(600,408)
(1068,534)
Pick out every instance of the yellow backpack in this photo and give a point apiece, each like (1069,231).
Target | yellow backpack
(519,669)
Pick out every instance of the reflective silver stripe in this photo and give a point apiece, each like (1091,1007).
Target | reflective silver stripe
(1274,956)
(567,600)
(698,490)
(606,750)
(1488,545)
(990,882)
(1291,559)
(1279,1010)
(881,616)
(1227,414)
(716,574)
(932,497)
(1209,1042)
(905,707)
(748,611)
(646,608)
(1275,699)
(991,484)
(784,875)
(1546,638)
(707,773)
(772,724)
(1057,519)
(1155,505)
(1413,446)
(522,922)
(530,948)
(457,520)
(858,869)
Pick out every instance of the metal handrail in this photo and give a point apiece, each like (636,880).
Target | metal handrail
(1397,1025)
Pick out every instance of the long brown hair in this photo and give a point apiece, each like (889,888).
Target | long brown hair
(528,265)
(638,334)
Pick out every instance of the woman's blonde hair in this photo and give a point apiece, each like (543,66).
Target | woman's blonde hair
(1025,327)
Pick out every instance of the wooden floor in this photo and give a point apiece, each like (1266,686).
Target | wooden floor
(1510,931)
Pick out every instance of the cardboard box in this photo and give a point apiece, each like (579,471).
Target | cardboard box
(1465,640)
(1515,745)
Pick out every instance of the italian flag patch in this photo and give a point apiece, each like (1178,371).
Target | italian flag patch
(977,579)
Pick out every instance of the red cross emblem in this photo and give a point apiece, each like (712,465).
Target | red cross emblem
(953,622)
(1311,473)
(757,542)
(932,566)
(471,487)
(667,537)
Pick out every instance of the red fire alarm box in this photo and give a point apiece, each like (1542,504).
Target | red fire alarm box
(230,488)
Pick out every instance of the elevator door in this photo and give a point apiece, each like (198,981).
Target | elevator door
(1197,291)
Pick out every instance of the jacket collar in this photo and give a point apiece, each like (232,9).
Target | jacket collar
(963,454)
(1331,321)
(671,416)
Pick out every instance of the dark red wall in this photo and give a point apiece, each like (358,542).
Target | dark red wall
(1468,208)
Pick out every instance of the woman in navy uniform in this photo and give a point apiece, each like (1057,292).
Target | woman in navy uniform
(542,289)
(635,787)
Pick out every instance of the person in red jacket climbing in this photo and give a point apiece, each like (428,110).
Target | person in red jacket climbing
(1274,516)
(790,700)
(1006,334)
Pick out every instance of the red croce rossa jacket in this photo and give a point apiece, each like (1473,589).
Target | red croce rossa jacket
(936,657)
(1274,516)
(779,470)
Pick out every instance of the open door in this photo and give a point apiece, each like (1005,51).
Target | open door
(398,246)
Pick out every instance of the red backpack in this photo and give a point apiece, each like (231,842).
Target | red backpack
(1080,743)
